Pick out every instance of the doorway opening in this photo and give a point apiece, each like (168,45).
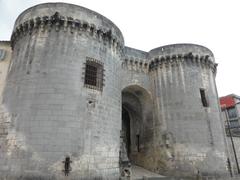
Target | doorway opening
(126,130)
(137,124)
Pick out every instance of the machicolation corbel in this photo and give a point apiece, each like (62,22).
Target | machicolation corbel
(67,24)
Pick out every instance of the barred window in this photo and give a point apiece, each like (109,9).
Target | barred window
(93,74)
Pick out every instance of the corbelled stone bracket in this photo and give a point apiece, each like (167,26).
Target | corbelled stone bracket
(187,58)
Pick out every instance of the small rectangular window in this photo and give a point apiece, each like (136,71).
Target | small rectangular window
(138,142)
(93,74)
(204,98)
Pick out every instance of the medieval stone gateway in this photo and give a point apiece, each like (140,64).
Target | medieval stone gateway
(78,104)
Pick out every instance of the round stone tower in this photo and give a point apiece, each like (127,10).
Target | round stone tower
(62,95)
(186,106)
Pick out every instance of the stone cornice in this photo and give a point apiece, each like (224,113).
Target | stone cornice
(68,24)
(175,60)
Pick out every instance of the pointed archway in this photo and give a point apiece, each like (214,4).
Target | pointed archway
(137,123)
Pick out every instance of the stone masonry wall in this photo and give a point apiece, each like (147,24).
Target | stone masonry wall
(193,133)
(5,57)
(135,68)
(53,115)
(4,62)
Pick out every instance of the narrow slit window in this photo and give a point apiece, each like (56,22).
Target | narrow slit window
(204,98)
(138,142)
(93,74)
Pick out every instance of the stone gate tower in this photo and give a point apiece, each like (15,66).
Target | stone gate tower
(72,87)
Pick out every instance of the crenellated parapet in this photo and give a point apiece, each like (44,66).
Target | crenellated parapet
(57,22)
(134,64)
(170,55)
(177,59)
(135,60)
(176,54)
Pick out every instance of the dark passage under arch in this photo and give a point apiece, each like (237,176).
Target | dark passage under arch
(126,130)
(137,124)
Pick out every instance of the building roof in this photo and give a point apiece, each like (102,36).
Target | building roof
(228,101)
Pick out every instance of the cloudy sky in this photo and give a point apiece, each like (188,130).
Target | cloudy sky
(149,24)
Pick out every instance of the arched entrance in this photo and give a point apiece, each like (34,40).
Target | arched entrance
(137,124)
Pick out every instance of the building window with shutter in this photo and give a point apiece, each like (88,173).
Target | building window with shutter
(93,74)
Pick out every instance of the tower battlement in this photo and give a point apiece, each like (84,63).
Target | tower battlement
(77,21)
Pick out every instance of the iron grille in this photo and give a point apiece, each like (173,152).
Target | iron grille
(93,74)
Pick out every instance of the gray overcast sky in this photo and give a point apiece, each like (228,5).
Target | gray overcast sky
(149,24)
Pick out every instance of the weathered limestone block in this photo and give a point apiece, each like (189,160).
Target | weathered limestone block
(54,114)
